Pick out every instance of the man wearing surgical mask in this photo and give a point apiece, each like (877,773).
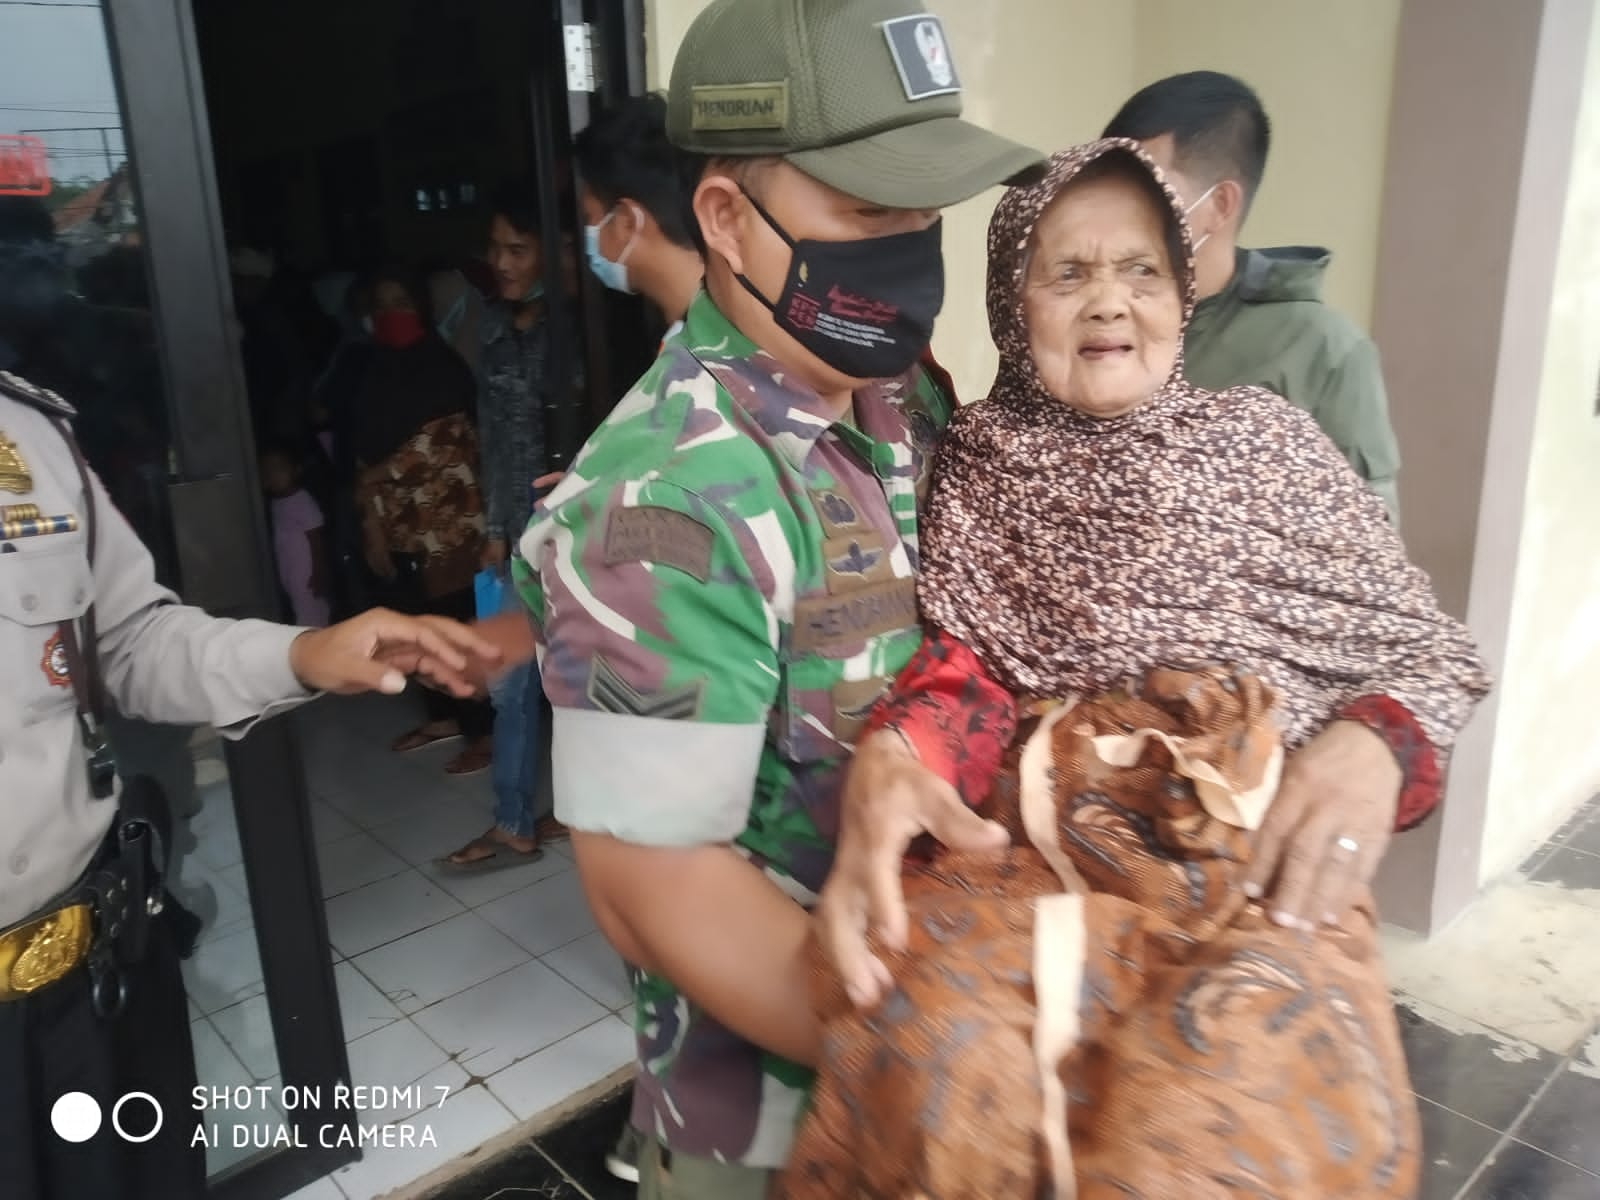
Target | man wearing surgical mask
(1260,320)
(634,194)
(725,581)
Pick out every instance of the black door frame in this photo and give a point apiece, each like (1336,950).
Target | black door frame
(224,556)
(614,33)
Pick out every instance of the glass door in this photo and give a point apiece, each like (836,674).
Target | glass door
(113,292)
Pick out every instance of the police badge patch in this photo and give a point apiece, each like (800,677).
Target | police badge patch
(921,54)
(54,663)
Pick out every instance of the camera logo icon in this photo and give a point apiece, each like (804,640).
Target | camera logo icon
(76,1117)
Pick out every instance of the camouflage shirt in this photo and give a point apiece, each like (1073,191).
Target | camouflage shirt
(723,585)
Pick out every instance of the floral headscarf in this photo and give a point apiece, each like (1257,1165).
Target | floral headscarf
(1071,553)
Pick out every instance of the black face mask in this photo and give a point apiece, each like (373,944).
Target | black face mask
(866,308)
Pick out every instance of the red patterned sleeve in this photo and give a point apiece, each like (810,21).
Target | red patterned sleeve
(957,719)
(1419,762)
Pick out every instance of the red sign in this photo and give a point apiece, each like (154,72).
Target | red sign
(24,166)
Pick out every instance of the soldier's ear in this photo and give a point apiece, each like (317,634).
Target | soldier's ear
(719,207)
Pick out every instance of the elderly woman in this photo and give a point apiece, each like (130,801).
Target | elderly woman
(1177,652)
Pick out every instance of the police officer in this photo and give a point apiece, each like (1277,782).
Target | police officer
(91,999)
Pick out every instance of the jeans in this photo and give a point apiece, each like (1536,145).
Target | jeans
(515,773)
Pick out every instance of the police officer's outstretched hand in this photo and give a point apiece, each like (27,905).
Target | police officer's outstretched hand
(377,650)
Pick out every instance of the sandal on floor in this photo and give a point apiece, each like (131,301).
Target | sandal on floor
(418,738)
(498,855)
(548,829)
(470,761)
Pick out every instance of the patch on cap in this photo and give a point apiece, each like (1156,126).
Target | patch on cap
(921,55)
(740,106)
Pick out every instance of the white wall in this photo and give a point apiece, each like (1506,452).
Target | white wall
(1547,745)
(1051,73)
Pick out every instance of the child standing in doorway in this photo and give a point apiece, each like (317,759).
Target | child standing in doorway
(297,540)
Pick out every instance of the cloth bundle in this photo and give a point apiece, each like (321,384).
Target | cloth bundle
(1100,1013)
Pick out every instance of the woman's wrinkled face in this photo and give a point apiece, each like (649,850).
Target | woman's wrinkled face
(1100,298)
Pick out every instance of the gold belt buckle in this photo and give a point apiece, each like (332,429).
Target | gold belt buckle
(39,952)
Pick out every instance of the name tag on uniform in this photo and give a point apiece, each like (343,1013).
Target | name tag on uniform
(830,622)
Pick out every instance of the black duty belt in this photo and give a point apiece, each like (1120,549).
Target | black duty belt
(103,920)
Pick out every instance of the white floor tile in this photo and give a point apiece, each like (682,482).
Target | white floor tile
(217,839)
(353,862)
(215,1063)
(247,1028)
(216,809)
(572,1064)
(476,888)
(465,1122)
(362,1007)
(228,894)
(544,916)
(369,786)
(488,1027)
(403,1059)
(426,836)
(318,1189)
(425,967)
(208,772)
(234,877)
(216,1066)
(370,805)
(594,966)
(1523,960)
(224,971)
(328,824)
(384,911)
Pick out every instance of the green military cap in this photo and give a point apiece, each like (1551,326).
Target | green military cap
(861,94)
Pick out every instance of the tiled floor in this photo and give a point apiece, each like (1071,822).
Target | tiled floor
(1510,1109)
(494,985)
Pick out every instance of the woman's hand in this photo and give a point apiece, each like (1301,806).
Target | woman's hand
(1328,827)
(889,799)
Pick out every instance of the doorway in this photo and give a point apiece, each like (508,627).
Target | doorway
(187,142)
(346,140)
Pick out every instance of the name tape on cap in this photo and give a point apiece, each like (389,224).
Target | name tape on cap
(740,106)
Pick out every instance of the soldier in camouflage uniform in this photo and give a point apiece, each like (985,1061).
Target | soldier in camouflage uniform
(724,582)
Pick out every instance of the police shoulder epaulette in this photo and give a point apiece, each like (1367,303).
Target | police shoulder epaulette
(34,396)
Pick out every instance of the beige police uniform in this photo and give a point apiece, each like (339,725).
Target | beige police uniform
(162,662)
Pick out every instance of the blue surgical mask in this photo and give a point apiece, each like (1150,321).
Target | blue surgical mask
(451,320)
(614,274)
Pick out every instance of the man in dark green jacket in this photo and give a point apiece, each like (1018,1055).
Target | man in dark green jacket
(1260,318)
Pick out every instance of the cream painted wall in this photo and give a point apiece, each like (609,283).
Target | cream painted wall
(1034,79)
(1052,72)
(1547,743)
(1323,71)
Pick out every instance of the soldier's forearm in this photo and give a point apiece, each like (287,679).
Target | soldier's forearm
(716,927)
